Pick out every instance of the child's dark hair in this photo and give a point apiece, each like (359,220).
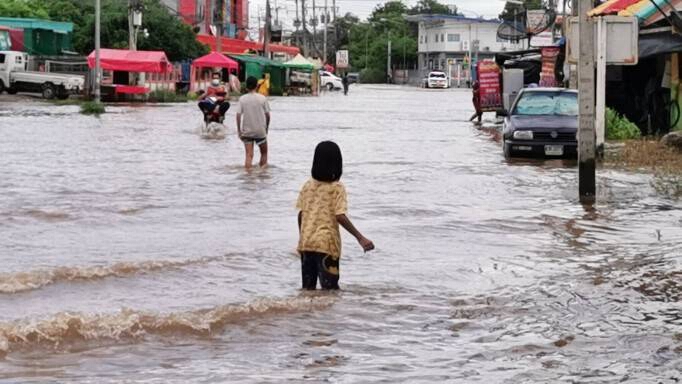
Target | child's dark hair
(327,162)
(251,83)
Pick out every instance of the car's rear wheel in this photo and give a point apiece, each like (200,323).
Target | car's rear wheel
(330,86)
(48,91)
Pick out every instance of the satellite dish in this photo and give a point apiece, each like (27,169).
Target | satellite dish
(526,25)
(512,31)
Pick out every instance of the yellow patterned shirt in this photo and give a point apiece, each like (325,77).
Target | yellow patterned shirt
(319,203)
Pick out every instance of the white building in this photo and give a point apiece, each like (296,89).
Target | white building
(443,37)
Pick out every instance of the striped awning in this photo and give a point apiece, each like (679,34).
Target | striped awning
(644,10)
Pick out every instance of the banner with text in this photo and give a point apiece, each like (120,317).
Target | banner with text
(490,89)
(549,61)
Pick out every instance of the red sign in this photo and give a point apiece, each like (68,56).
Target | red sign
(549,60)
(490,89)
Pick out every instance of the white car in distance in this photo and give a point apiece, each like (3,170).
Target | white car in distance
(437,79)
(330,81)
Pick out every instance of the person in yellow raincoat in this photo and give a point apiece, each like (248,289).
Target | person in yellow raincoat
(264,85)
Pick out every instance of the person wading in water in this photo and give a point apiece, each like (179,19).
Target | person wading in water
(253,123)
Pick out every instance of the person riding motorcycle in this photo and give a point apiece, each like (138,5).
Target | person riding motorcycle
(214,99)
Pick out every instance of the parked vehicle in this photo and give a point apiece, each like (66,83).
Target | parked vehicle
(330,81)
(353,77)
(437,79)
(542,122)
(15,78)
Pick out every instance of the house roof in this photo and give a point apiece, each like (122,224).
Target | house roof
(55,26)
(131,61)
(429,17)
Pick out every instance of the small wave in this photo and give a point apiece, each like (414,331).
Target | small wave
(32,280)
(68,328)
(47,215)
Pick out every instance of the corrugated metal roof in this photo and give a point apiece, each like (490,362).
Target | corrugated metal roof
(55,26)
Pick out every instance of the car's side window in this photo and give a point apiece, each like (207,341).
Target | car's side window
(2,58)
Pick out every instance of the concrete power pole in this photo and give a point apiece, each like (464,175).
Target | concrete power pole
(267,30)
(305,30)
(336,27)
(586,93)
(326,26)
(314,21)
(98,67)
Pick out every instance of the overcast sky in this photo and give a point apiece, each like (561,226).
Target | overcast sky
(362,8)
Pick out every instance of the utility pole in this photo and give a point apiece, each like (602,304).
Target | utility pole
(337,45)
(388,60)
(326,26)
(267,28)
(314,21)
(305,30)
(586,133)
(98,66)
(297,22)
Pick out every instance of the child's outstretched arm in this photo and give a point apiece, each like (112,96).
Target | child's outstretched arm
(345,222)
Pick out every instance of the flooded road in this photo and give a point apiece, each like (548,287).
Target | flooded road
(133,250)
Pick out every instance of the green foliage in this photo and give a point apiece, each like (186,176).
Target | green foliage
(510,8)
(619,127)
(432,7)
(92,108)
(368,43)
(166,97)
(372,76)
(166,32)
(22,8)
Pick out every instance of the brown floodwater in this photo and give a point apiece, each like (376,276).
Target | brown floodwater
(133,250)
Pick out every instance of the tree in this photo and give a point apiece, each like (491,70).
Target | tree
(432,7)
(22,8)
(510,9)
(368,44)
(166,32)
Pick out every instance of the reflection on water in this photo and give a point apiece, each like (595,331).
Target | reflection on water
(130,242)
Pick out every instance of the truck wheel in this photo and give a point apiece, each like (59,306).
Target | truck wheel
(2,86)
(330,86)
(48,91)
(12,91)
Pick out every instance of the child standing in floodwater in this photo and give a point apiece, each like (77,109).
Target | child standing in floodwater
(322,207)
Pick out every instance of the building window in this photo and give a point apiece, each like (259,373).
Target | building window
(426,38)
(435,38)
(442,38)
(453,37)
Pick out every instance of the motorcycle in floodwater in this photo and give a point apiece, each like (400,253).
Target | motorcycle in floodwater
(214,116)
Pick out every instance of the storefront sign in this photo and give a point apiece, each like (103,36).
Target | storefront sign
(490,89)
(342,59)
(549,60)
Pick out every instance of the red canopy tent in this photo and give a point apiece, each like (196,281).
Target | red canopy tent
(215,59)
(212,60)
(132,61)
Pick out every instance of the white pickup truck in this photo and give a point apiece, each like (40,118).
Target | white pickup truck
(15,78)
